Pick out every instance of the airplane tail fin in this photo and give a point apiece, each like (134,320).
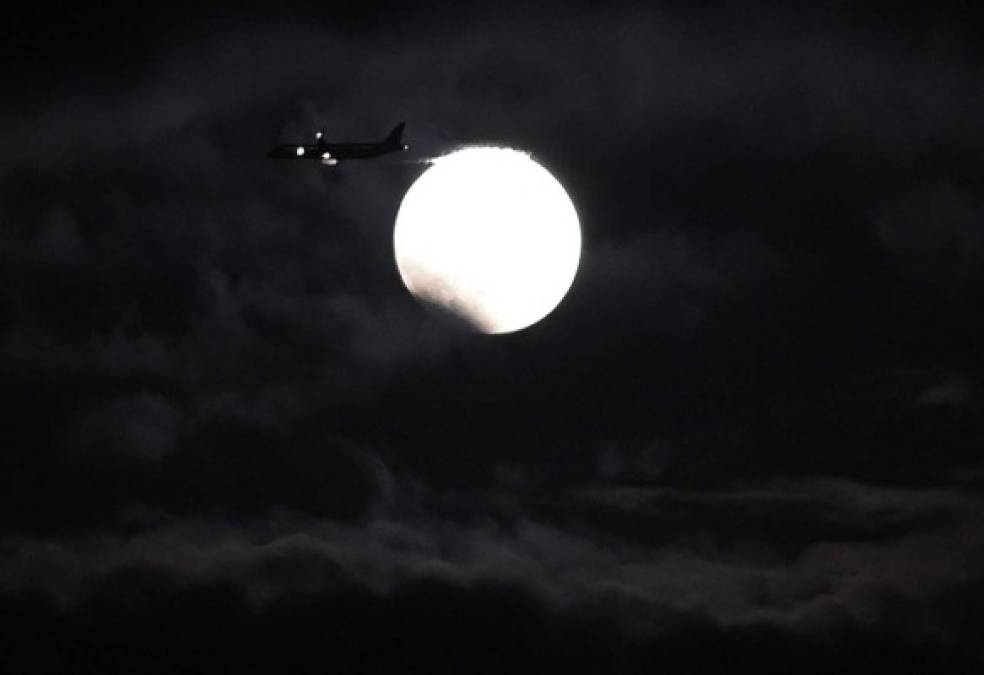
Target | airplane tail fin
(395,137)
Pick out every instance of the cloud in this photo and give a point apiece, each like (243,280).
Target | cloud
(864,550)
(146,426)
(954,391)
(203,344)
(935,235)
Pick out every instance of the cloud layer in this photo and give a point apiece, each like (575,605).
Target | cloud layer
(753,423)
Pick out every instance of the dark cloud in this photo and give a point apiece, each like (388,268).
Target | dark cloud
(720,561)
(754,423)
(935,236)
(432,627)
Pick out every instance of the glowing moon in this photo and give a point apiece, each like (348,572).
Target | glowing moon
(489,235)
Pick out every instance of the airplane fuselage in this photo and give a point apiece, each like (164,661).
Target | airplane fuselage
(358,150)
(332,153)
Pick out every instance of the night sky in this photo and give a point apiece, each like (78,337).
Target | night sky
(750,438)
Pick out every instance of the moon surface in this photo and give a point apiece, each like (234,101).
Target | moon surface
(489,235)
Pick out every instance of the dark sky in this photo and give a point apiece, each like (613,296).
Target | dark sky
(750,438)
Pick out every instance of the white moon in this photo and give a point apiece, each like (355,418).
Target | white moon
(489,235)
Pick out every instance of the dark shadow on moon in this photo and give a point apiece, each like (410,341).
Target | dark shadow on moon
(457,320)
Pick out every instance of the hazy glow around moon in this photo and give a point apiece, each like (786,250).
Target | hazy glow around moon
(490,235)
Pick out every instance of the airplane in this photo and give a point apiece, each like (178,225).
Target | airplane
(330,153)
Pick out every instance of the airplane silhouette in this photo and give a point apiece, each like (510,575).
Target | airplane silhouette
(331,153)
